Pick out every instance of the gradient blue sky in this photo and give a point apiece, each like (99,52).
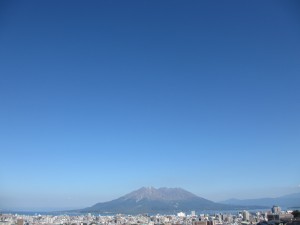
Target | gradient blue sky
(99,98)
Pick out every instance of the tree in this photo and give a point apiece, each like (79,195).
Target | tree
(296,213)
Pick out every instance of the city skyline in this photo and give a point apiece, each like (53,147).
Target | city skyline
(101,98)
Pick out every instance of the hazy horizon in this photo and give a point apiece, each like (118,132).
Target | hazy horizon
(100,98)
(93,201)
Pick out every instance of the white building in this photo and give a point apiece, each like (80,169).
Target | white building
(246,215)
(181,214)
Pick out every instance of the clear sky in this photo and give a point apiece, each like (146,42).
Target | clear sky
(99,98)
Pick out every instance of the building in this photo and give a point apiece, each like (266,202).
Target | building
(181,214)
(246,215)
(280,217)
(199,223)
(20,222)
(213,222)
(276,209)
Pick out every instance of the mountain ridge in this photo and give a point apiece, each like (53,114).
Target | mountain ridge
(289,200)
(163,193)
(161,200)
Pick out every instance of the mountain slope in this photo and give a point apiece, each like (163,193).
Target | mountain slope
(162,200)
(291,200)
(152,193)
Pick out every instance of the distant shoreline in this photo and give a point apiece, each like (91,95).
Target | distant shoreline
(210,212)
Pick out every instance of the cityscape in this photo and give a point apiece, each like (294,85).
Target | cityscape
(152,206)
(274,216)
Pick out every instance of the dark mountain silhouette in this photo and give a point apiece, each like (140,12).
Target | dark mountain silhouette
(161,200)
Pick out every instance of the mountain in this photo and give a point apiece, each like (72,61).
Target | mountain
(291,200)
(167,194)
(161,200)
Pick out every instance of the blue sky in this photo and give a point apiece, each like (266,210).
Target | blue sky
(100,98)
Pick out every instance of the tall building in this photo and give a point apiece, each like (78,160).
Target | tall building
(193,213)
(276,209)
(246,215)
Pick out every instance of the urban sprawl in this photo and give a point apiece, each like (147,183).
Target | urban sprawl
(273,217)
